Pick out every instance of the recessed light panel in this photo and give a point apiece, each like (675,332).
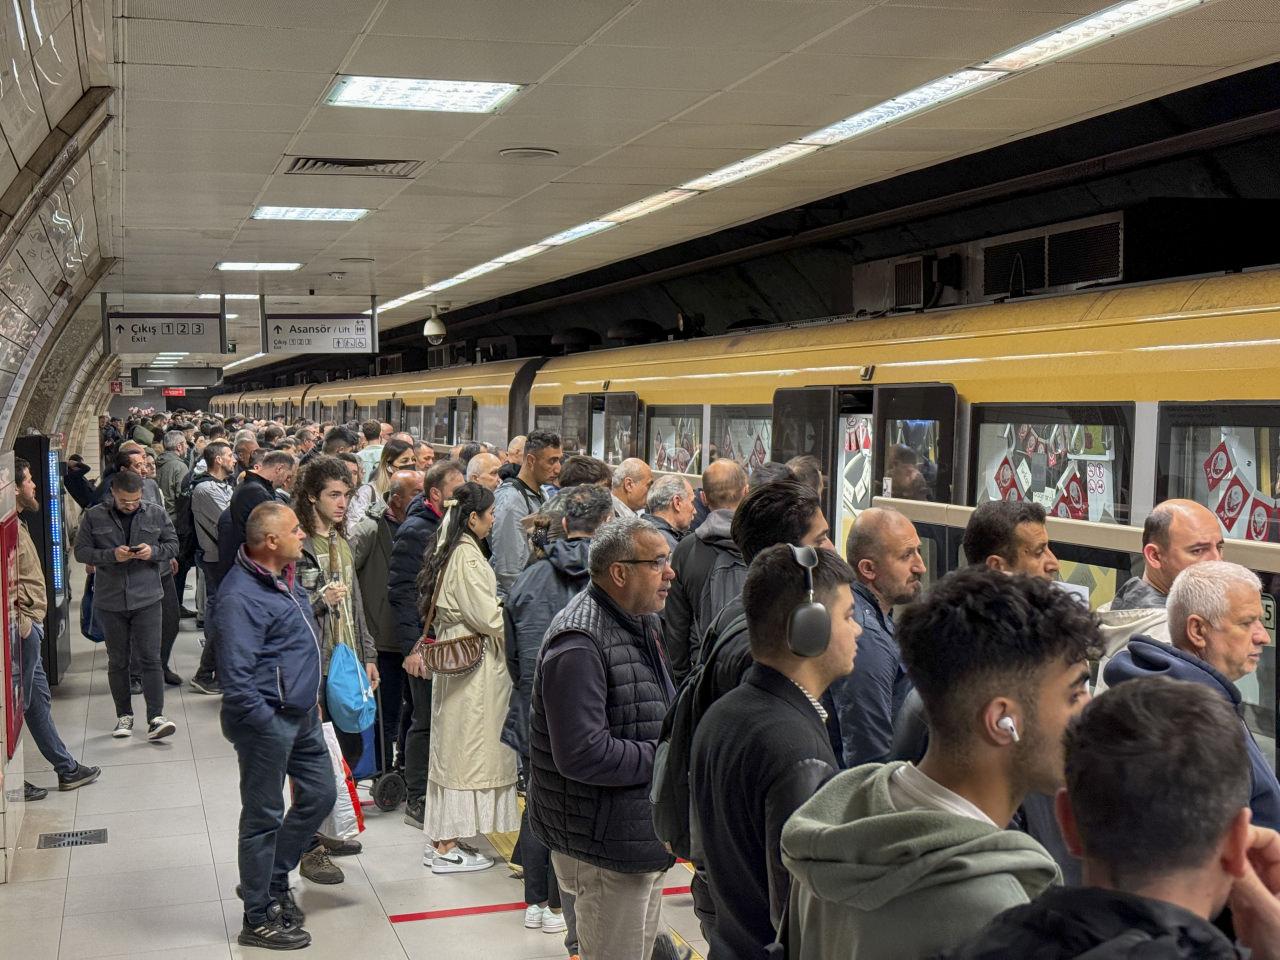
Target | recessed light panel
(578,232)
(229,296)
(249,265)
(1086,32)
(310,213)
(404,93)
(641,208)
(751,166)
(524,253)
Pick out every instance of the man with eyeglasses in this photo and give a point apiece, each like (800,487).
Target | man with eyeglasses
(600,692)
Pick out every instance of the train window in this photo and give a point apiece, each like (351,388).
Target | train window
(464,419)
(743,433)
(575,423)
(491,424)
(621,427)
(1075,461)
(675,439)
(365,413)
(802,424)
(547,418)
(1226,456)
(441,422)
(855,450)
(916,427)
(413,421)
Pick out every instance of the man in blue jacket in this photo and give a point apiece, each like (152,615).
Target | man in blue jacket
(269,664)
(1215,624)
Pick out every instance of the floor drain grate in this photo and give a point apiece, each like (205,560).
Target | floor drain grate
(71,838)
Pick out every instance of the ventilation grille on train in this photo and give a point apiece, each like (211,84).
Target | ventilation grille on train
(908,283)
(1052,261)
(335,166)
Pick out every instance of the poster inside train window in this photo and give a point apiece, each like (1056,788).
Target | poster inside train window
(1232,470)
(743,433)
(1076,468)
(675,439)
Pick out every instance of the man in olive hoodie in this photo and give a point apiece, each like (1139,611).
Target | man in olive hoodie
(899,862)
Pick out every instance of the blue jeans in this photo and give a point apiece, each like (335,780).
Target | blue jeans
(272,841)
(36,701)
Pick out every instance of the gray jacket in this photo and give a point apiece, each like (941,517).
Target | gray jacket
(133,584)
(508,544)
(171,470)
(371,551)
(209,497)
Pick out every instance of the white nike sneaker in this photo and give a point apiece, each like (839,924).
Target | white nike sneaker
(459,860)
(552,922)
(533,917)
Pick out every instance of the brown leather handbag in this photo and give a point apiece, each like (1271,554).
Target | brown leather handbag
(449,658)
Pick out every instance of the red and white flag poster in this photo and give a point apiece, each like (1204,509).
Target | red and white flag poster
(1261,515)
(1232,503)
(758,453)
(1007,480)
(1218,465)
(1073,504)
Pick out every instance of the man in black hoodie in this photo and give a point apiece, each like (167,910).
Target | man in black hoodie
(416,535)
(1156,804)
(724,485)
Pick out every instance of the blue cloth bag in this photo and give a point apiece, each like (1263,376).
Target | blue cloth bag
(352,705)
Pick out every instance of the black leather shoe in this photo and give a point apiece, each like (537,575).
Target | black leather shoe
(171,679)
(32,793)
(186,614)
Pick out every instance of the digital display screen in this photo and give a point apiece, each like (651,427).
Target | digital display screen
(55,522)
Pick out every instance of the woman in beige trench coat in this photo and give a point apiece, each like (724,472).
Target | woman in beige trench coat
(471,774)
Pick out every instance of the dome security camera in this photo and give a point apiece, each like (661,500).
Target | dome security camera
(434,329)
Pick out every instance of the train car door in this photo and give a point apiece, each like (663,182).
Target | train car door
(914,442)
(604,425)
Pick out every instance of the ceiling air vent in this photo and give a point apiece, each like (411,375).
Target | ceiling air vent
(336,166)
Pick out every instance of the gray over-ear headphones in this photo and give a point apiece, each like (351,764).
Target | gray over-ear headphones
(809,623)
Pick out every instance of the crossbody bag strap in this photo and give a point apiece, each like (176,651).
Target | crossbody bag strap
(435,596)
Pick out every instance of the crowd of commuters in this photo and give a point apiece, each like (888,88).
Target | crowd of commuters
(626,669)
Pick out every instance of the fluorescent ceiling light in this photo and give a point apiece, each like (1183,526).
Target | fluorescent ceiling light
(751,166)
(249,265)
(524,253)
(155,381)
(641,208)
(480,270)
(230,296)
(443,285)
(310,213)
(578,232)
(902,106)
(233,316)
(256,356)
(1086,32)
(402,93)
(400,301)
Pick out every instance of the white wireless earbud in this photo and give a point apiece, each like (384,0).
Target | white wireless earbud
(1008,726)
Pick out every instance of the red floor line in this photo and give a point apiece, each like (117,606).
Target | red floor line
(489,908)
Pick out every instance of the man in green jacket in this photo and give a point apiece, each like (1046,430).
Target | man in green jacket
(897,861)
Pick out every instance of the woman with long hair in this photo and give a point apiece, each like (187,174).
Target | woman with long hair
(397,454)
(471,773)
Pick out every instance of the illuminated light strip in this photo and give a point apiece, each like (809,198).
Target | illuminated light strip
(55,521)
(491,908)
(1085,32)
(256,356)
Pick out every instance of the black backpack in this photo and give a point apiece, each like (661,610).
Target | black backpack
(669,792)
(185,520)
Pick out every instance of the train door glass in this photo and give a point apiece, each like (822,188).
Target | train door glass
(464,419)
(364,413)
(596,426)
(621,427)
(915,427)
(1075,461)
(855,450)
(393,411)
(1225,456)
(548,418)
(675,439)
(442,421)
(741,432)
(802,426)
(413,422)
(575,423)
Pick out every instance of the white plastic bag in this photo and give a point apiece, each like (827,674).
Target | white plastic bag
(346,821)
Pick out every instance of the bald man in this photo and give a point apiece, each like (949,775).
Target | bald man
(483,469)
(632,479)
(884,551)
(1176,535)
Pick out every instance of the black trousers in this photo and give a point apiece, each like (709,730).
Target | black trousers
(134,634)
(352,744)
(170,613)
(208,656)
(540,885)
(391,691)
(417,748)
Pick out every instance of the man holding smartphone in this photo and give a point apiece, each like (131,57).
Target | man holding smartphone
(130,542)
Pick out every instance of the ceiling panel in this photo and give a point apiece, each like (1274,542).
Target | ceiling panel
(382,56)
(334,191)
(212,85)
(863,76)
(969,35)
(552,21)
(810,110)
(175,115)
(212,161)
(412,124)
(1074,8)
(736,136)
(1239,11)
(152,140)
(341,15)
(649,175)
(1196,42)
(991,111)
(1080,81)
(363,147)
(558,133)
(650,68)
(602,103)
(439,209)
(508,178)
(216,45)
(728,24)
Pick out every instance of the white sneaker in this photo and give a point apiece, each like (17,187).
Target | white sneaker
(429,855)
(124,728)
(459,860)
(161,727)
(533,917)
(552,922)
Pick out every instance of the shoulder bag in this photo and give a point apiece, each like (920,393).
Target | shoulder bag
(449,658)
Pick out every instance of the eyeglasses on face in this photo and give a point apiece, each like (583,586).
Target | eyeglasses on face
(657,563)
